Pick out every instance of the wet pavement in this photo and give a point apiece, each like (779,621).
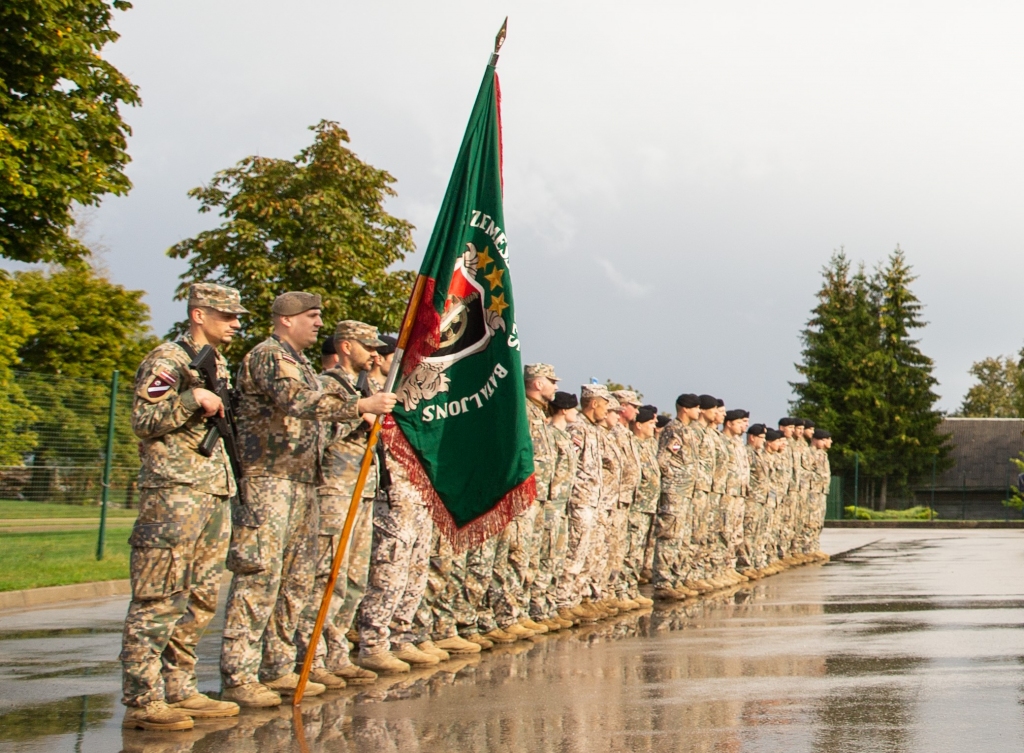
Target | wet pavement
(911,640)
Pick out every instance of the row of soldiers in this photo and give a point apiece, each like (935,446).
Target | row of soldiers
(619,501)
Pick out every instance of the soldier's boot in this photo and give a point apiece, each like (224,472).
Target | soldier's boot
(529,624)
(682,588)
(700,586)
(646,576)
(328,679)
(643,601)
(822,556)
(750,573)
(740,577)
(289,683)
(252,695)
(479,640)
(457,645)
(429,647)
(500,636)
(156,716)
(518,632)
(627,603)
(384,662)
(408,653)
(584,613)
(553,626)
(200,706)
(664,593)
(608,605)
(353,675)
(567,615)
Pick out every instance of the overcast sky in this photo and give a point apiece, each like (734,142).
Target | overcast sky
(676,174)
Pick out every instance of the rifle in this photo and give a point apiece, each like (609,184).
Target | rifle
(220,427)
(384,478)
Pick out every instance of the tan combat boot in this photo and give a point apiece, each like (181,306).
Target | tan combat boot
(411,655)
(289,683)
(429,647)
(529,624)
(518,632)
(156,716)
(479,640)
(328,679)
(553,626)
(664,593)
(384,662)
(200,706)
(457,645)
(643,601)
(567,615)
(500,636)
(353,675)
(252,695)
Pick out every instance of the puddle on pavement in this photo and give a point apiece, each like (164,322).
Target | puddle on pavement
(26,635)
(69,715)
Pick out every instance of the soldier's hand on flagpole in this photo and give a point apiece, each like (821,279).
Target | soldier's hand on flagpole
(382,402)
(210,404)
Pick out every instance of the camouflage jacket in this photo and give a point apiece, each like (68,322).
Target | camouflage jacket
(168,420)
(704,467)
(737,481)
(720,471)
(611,469)
(797,449)
(761,481)
(586,490)
(566,458)
(629,451)
(824,470)
(280,407)
(543,448)
(649,489)
(784,469)
(678,447)
(808,467)
(344,444)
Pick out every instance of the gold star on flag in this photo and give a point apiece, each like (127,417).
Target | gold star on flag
(494,278)
(483,259)
(498,304)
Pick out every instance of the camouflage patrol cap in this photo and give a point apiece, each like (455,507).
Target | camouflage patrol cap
(596,390)
(294,303)
(613,403)
(217,297)
(534,370)
(364,334)
(628,397)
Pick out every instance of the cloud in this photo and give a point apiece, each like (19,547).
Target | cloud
(626,286)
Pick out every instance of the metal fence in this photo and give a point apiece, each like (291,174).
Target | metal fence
(60,444)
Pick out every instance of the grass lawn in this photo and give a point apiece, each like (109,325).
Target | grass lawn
(32,560)
(12,508)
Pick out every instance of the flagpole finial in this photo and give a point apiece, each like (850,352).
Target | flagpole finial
(499,40)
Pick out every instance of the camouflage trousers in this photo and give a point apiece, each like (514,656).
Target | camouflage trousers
(786,522)
(478,618)
(443,598)
(178,547)
(553,530)
(509,592)
(702,509)
(398,567)
(333,510)
(733,509)
(648,565)
(582,532)
(674,540)
(595,569)
(638,533)
(273,556)
(751,555)
(357,573)
(618,545)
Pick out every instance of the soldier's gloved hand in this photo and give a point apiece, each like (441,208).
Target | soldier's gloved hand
(378,404)
(210,404)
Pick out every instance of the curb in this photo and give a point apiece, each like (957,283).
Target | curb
(37,597)
(924,524)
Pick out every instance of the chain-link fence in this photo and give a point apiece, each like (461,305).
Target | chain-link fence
(55,443)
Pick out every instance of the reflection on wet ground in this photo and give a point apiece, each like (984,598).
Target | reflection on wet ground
(910,641)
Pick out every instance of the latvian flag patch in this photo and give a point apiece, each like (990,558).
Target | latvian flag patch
(159,386)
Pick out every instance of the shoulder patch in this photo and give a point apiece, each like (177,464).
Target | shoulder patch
(289,359)
(159,386)
(577,440)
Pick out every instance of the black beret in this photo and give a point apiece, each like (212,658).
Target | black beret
(798,422)
(689,400)
(706,402)
(808,423)
(771,435)
(390,345)
(785,422)
(564,401)
(757,430)
(328,349)
(663,421)
(645,414)
(652,408)
(736,414)
(721,402)
(822,434)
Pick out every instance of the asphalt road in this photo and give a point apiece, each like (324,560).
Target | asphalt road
(910,641)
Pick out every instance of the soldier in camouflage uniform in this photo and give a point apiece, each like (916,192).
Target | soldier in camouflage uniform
(180,537)
(645,501)
(755,513)
(797,491)
(344,444)
(274,533)
(737,485)
(596,570)
(716,552)
(674,544)
(703,511)
(779,475)
(821,441)
(555,527)
(629,480)
(784,510)
(517,551)
(583,502)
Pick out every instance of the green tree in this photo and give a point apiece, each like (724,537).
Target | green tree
(85,328)
(62,139)
(998,391)
(16,412)
(314,223)
(865,377)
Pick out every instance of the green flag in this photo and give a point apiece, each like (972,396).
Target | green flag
(460,428)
